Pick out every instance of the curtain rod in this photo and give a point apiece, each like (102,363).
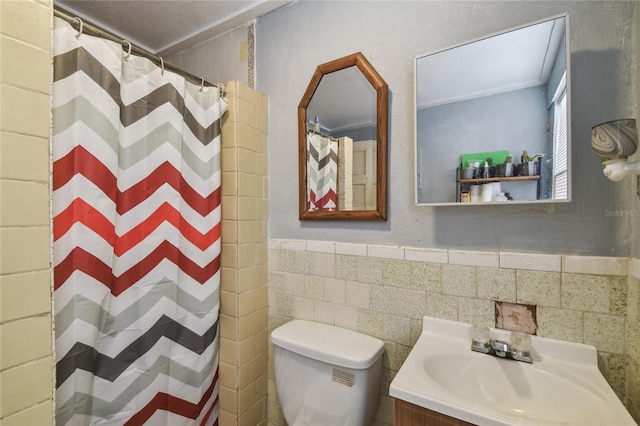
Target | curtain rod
(322,134)
(91,29)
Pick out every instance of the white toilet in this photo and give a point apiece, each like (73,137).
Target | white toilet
(326,375)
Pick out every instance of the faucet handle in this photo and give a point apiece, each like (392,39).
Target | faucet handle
(520,341)
(480,338)
(480,333)
(521,346)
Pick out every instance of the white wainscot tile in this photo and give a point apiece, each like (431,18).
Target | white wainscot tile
(531,261)
(386,252)
(300,245)
(474,258)
(426,255)
(273,244)
(351,249)
(596,265)
(321,246)
(634,267)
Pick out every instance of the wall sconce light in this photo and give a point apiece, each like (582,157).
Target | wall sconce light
(613,142)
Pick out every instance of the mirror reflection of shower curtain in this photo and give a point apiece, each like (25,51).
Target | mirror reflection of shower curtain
(136,229)
(322,169)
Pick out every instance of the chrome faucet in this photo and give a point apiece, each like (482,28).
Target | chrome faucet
(500,348)
(518,348)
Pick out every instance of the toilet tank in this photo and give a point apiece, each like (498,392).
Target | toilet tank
(326,375)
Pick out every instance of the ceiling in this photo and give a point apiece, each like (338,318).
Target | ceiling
(166,27)
(509,61)
(343,100)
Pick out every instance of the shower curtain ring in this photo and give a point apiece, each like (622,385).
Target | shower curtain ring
(202,84)
(126,57)
(80,25)
(162,65)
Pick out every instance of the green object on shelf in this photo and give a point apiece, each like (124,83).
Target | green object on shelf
(497,156)
(527,158)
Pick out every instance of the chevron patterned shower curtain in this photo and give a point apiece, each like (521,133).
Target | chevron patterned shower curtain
(136,224)
(322,172)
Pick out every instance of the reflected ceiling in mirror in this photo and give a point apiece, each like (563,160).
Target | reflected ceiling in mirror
(345,105)
(342,142)
(500,102)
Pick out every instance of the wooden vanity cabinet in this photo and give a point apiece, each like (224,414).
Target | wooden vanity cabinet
(407,414)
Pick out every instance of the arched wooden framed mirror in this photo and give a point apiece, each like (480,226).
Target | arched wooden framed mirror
(342,142)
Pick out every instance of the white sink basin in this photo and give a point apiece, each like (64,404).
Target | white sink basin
(562,386)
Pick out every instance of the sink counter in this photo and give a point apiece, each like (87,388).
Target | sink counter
(562,386)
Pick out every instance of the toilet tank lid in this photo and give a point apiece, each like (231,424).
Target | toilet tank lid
(327,343)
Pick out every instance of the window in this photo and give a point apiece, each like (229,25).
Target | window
(560,143)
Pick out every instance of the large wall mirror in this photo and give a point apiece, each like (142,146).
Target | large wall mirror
(493,119)
(342,142)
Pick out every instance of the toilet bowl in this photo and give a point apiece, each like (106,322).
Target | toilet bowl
(326,375)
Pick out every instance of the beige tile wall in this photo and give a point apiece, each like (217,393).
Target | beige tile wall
(632,340)
(244,311)
(26,366)
(385,291)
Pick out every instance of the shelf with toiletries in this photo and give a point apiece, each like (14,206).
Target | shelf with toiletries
(498,179)
(473,189)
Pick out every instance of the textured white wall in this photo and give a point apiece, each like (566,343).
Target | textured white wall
(217,60)
(292,41)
